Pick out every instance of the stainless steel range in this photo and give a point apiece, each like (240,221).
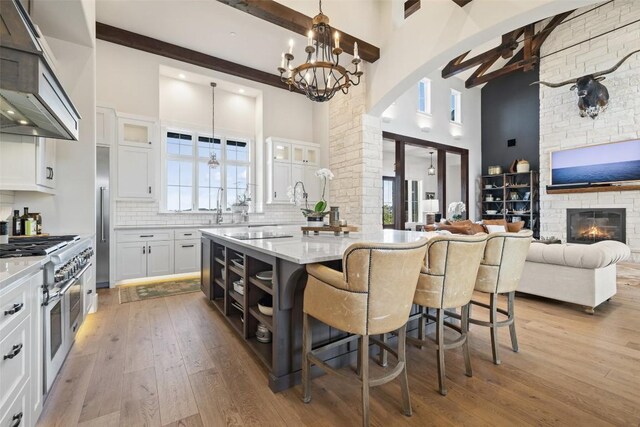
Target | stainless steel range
(63,302)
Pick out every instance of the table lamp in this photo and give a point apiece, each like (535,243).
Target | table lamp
(430,207)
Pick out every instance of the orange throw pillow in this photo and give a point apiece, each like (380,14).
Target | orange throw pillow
(455,229)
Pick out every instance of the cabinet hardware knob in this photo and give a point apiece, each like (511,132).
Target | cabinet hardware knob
(14,352)
(149,248)
(146,235)
(188,234)
(144,249)
(187,246)
(149,189)
(16,308)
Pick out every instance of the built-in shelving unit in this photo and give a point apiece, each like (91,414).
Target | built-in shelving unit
(514,196)
(241,310)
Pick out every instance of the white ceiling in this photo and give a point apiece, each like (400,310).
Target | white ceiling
(207,26)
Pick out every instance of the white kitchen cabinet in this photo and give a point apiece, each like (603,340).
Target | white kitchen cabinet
(306,155)
(281,180)
(46,162)
(135,173)
(105,126)
(281,152)
(289,162)
(21,337)
(27,163)
(187,256)
(143,255)
(35,283)
(159,258)
(131,260)
(135,132)
(17,413)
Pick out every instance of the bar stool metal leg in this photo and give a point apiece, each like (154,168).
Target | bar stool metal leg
(493,318)
(404,382)
(364,375)
(464,328)
(440,342)
(306,363)
(512,326)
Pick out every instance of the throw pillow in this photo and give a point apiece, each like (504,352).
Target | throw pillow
(455,229)
(514,227)
(477,228)
(495,228)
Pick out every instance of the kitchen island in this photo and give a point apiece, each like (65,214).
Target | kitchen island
(285,251)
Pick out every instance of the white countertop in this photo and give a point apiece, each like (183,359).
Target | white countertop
(12,269)
(302,249)
(207,226)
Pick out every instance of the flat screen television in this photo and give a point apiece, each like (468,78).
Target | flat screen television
(597,164)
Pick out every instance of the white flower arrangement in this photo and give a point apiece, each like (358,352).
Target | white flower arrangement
(324,173)
(455,210)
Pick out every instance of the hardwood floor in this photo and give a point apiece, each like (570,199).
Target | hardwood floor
(175,362)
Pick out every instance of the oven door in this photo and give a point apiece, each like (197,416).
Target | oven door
(55,336)
(74,300)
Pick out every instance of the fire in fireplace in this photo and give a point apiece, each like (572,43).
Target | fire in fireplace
(595,225)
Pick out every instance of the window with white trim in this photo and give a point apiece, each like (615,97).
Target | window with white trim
(456,106)
(424,96)
(193,186)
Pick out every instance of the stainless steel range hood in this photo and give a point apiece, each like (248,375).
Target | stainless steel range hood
(32,100)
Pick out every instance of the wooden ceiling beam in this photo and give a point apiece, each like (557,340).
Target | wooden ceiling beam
(539,38)
(158,47)
(299,23)
(457,65)
(462,3)
(511,68)
(532,43)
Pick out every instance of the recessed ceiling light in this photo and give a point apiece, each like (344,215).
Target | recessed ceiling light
(10,112)
(22,122)
(182,76)
(241,90)
(232,34)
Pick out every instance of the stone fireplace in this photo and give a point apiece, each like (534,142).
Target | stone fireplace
(595,225)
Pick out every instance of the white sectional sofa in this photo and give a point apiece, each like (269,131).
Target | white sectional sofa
(579,274)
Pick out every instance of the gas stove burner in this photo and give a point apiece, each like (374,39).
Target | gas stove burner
(34,246)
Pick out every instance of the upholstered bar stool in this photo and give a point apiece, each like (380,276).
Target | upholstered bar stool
(446,282)
(500,273)
(373,296)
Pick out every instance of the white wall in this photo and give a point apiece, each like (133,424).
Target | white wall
(190,103)
(405,120)
(562,127)
(129,81)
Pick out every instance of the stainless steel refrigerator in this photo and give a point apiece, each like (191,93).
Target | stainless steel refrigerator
(102,217)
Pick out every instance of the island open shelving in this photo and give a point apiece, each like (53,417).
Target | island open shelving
(282,356)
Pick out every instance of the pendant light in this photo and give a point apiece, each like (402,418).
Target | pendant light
(432,169)
(213,160)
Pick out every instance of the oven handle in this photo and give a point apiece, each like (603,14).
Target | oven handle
(57,293)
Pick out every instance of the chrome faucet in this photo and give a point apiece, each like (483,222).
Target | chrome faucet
(219,206)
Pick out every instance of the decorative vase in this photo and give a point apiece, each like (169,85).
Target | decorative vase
(315,221)
(523,166)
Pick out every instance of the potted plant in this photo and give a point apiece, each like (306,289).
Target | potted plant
(315,216)
(455,211)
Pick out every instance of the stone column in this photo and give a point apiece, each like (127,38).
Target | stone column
(355,158)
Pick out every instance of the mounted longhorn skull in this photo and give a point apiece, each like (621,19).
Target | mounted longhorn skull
(593,96)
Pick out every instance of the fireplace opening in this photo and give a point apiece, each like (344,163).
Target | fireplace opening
(594,225)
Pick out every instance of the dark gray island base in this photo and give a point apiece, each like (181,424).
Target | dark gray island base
(282,357)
